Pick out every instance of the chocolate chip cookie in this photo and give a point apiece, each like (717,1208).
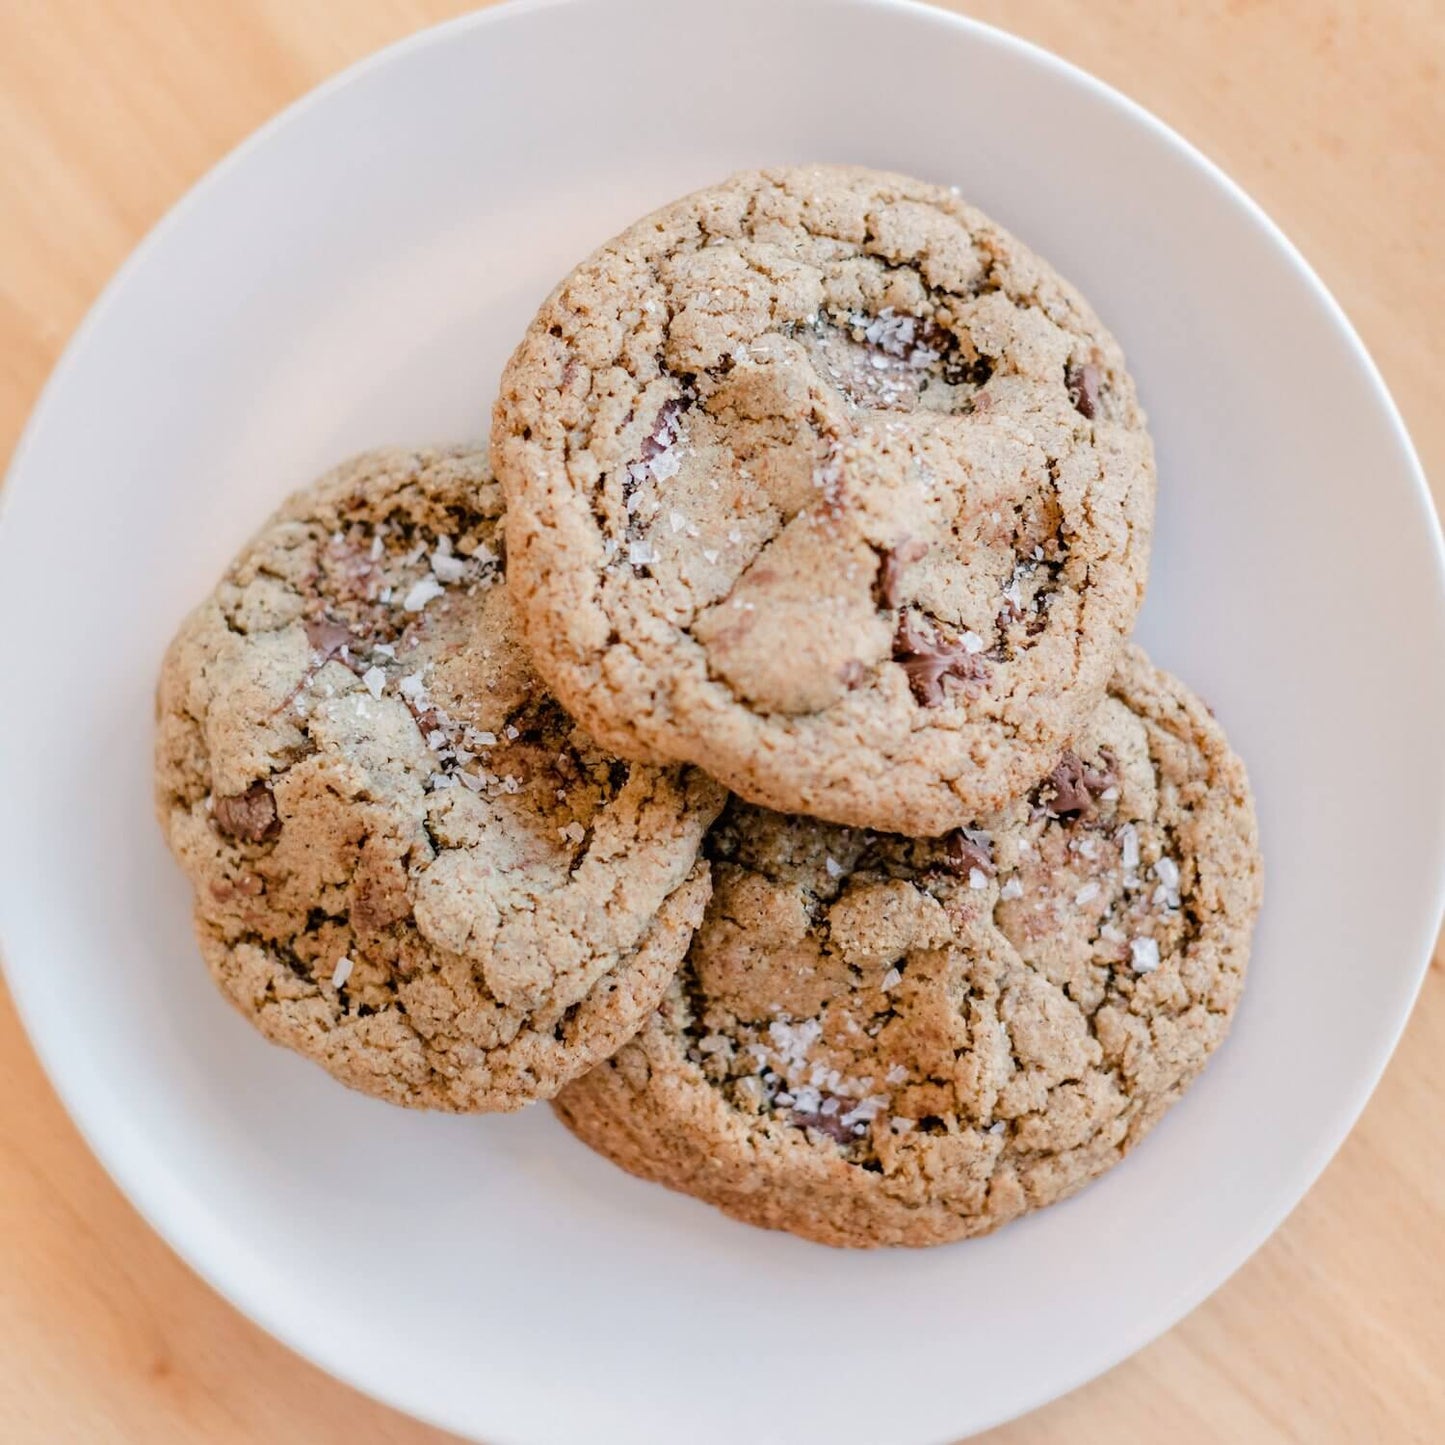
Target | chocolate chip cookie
(409,863)
(882,1041)
(821,480)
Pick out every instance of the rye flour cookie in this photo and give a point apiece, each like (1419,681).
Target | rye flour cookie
(824,482)
(409,864)
(877,1041)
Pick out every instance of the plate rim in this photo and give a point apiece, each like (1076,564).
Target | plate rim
(148,1196)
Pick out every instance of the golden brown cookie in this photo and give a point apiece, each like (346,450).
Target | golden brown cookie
(824,482)
(878,1041)
(410,864)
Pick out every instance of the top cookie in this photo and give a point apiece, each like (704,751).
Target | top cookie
(823,481)
(409,862)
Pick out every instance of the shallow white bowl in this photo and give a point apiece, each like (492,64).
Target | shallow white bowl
(357,274)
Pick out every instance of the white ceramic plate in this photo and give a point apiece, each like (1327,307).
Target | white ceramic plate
(357,274)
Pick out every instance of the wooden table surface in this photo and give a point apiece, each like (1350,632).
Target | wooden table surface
(1332,114)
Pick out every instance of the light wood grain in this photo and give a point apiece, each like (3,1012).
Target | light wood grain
(1332,114)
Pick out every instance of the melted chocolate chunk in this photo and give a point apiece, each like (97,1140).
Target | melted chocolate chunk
(830,1124)
(891,565)
(1071,790)
(928,661)
(1083,384)
(327,637)
(964,854)
(665,429)
(249,816)
(919,342)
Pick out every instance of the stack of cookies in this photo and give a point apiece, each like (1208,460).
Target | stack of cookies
(749,755)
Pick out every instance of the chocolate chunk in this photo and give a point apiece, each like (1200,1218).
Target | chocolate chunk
(928,661)
(965,853)
(328,637)
(664,430)
(1083,384)
(961,362)
(249,816)
(830,1124)
(1073,786)
(891,564)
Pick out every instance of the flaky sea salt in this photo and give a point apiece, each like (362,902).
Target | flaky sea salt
(891,979)
(1012,889)
(641,553)
(792,1041)
(864,1110)
(445,565)
(834,867)
(341,972)
(1087,893)
(1144,954)
(971,641)
(412,686)
(422,591)
(1129,846)
(892,332)
(373,680)
(665,465)
(977,878)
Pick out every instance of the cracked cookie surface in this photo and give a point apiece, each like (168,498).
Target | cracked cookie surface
(821,480)
(882,1041)
(409,863)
